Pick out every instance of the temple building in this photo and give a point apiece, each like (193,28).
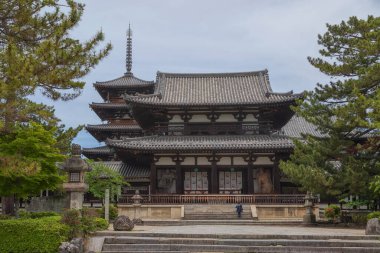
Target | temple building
(214,133)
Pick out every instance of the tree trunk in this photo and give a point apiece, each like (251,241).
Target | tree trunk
(7,204)
(17,207)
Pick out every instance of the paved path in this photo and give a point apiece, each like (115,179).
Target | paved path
(255,229)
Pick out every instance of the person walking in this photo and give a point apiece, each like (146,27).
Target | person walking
(239,209)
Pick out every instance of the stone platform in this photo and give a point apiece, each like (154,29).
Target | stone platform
(236,238)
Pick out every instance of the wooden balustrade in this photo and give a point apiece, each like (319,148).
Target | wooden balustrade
(267,199)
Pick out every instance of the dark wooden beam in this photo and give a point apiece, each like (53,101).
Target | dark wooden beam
(153,179)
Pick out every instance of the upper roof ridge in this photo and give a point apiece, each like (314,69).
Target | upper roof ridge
(221,74)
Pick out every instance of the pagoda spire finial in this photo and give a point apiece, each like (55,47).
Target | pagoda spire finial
(129,51)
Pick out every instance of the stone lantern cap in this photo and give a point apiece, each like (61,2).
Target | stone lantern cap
(75,163)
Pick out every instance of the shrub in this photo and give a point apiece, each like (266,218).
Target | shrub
(101,224)
(92,212)
(359,218)
(71,218)
(36,215)
(373,215)
(113,212)
(32,235)
(332,212)
(82,223)
(5,217)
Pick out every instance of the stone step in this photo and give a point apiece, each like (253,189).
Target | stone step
(118,234)
(232,248)
(216,217)
(241,242)
(185,222)
(228,208)
(156,251)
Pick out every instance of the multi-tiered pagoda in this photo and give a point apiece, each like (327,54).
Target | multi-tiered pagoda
(219,133)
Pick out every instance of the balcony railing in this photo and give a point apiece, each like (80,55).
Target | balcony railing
(267,199)
(213,129)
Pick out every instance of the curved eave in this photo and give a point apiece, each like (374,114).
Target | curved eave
(143,102)
(103,152)
(147,145)
(123,84)
(110,110)
(104,131)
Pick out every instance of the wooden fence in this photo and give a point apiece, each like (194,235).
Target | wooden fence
(268,199)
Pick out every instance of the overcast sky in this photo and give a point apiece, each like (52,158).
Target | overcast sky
(208,36)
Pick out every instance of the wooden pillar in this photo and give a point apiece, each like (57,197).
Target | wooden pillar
(214,178)
(250,159)
(276,175)
(214,174)
(179,174)
(250,189)
(153,179)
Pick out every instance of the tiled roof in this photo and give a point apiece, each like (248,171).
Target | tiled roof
(103,131)
(206,143)
(103,150)
(132,172)
(297,126)
(106,111)
(114,128)
(110,106)
(246,88)
(126,81)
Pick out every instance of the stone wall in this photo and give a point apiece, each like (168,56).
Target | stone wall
(263,212)
(51,203)
(152,211)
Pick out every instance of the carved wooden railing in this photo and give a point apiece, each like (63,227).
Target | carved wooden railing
(268,199)
(217,128)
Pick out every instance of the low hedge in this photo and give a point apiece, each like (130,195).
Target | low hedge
(36,215)
(32,235)
(101,224)
(373,215)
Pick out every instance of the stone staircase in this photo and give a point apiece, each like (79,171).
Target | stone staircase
(161,243)
(216,212)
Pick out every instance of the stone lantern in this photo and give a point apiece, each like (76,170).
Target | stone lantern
(75,167)
(309,217)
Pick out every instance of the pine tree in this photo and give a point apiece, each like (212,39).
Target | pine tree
(38,55)
(346,110)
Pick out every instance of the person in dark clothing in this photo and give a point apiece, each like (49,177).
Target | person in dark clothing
(239,209)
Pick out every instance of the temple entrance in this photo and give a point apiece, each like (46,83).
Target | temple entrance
(166,181)
(230,182)
(196,182)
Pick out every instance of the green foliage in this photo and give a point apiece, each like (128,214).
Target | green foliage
(346,111)
(100,224)
(82,223)
(28,161)
(5,217)
(373,215)
(36,215)
(332,212)
(32,235)
(101,178)
(113,212)
(72,219)
(39,56)
(359,218)
(357,203)
(91,224)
